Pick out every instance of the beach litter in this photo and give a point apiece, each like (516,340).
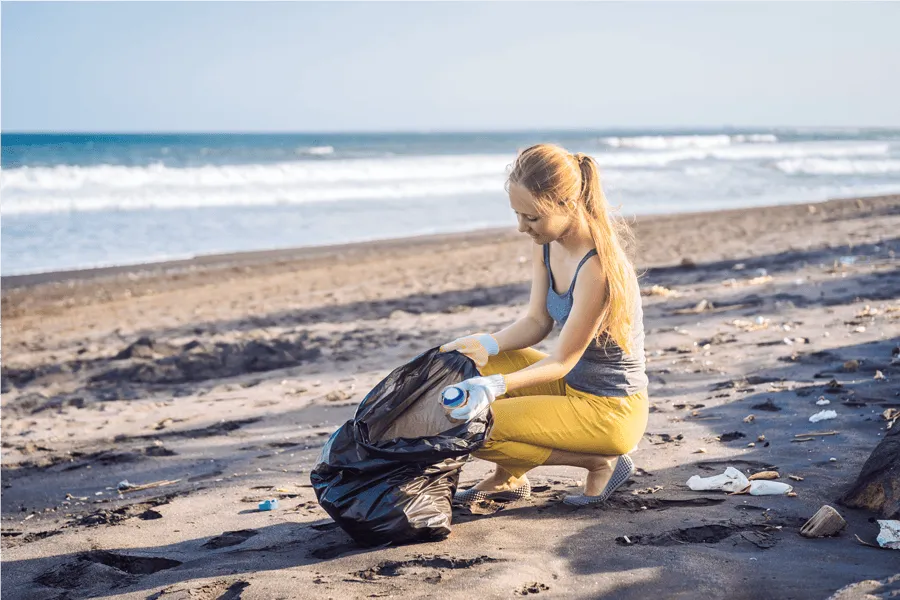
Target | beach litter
(758,280)
(826,522)
(271,504)
(891,415)
(754,325)
(127,486)
(702,306)
(823,401)
(764,475)
(764,487)
(735,482)
(823,416)
(658,290)
(731,480)
(889,536)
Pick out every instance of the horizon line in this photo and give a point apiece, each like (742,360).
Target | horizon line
(447,131)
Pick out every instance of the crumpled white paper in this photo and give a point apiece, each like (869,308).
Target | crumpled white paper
(731,480)
(889,536)
(822,416)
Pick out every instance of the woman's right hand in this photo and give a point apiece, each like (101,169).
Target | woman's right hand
(479,347)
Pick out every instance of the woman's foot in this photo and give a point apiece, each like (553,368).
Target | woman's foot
(598,475)
(500,481)
(614,479)
(499,486)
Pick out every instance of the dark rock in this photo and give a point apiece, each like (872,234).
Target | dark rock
(877,488)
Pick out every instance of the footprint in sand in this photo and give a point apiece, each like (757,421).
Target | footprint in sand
(230,538)
(93,568)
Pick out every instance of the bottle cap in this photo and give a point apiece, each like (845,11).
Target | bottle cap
(452,397)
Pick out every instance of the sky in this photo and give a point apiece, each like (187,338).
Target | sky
(342,66)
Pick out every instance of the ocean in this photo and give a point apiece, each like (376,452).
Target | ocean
(72,201)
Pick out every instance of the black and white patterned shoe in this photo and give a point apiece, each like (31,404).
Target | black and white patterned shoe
(624,469)
(471,495)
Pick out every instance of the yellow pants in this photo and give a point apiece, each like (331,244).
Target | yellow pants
(531,422)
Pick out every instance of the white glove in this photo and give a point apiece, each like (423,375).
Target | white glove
(478,347)
(482,391)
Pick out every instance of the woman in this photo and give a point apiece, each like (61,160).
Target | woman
(585,404)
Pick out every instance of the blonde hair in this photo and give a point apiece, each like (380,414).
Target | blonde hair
(570,183)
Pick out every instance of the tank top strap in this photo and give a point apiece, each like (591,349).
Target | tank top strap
(587,257)
(547,264)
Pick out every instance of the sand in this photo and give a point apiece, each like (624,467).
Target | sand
(221,377)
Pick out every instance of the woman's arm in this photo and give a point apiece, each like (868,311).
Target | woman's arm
(537,323)
(578,332)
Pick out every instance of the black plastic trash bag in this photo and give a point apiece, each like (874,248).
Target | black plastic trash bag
(388,475)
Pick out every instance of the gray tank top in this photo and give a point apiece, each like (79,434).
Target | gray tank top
(604,369)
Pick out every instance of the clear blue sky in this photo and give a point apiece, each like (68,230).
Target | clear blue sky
(209,66)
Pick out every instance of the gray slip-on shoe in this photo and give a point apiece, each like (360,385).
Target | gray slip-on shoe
(624,469)
(471,495)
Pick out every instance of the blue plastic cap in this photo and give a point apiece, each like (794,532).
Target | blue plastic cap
(453,397)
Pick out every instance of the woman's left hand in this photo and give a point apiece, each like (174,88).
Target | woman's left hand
(478,347)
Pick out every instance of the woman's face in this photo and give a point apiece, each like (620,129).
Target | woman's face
(542,228)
